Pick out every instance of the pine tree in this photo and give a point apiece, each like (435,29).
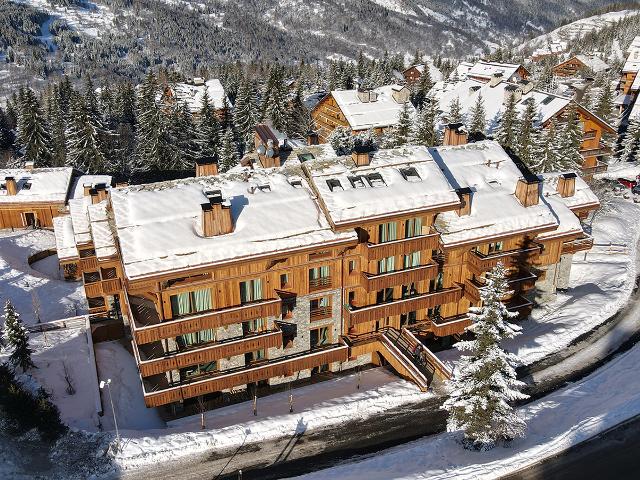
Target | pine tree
(455,111)
(184,133)
(276,103)
(58,122)
(245,115)
(422,89)
(604,103)
(571,138)
(299,117)
(546,153)
(153,144)
(208,130)
(6,132)
(228,152)
(484,385)
(424,129)
(402,130)
(84,148)
(341,140)
(631,142)
(17,338)
(34,136)
(526,128)
(508,128)
(478,113)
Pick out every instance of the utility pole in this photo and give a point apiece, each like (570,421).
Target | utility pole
(107,383)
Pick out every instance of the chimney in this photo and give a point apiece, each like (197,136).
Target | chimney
(94,196)
(206,166)
(361,155)
(527,191)
(312,138)
(216,215)
(28,166)
(11,186)
(526,86)
(567,184)
(455,134)
(510,90)
(473,89)
(495,79)
(400,94)
(465,198)
(364,95)
(101,188)
(86,187)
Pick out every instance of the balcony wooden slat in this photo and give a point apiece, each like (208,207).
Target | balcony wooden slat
(88,264)
(377,251)
(484,263)
(405,305)
(373,283)
(577,245)
(112,286)
(444,327)
(222,380)
(93,290)
(209,353)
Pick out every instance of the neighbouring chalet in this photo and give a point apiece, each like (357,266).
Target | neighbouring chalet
(551,49)
(360,110)
(33,197)
(246,280)
(495,94)
(580,63)
(191,93)
(629,84)
(485,71)
(413,74)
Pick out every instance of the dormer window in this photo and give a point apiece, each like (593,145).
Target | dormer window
(264,187)
(296,183)
(334,184)
(26,186)
(357,181)
(376,180)
(410,174)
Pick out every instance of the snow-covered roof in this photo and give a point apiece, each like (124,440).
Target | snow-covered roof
(552,48)
(467,91)
(582,197)
(65,241)
(492,176)
(635,111)
(48,185)
(382,188)
(80,219)
(383,112)
(461,71)
(633,59)
(103,240)
(487,69)
(593,62)
(158,225)
(93,180)
(192,94)
(635,86)
(434,72)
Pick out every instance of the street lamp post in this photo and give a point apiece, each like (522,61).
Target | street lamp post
(107,383)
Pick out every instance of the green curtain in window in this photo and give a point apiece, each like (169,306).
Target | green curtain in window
(393,231)
(244,289)
(189,339)
(258,354)
(202,300)
(257,289)
(323,302)
(324,336)
(324,271)
(208,367)
(386,265)
(314,273)
(207,335)
(180,304)
(415,259)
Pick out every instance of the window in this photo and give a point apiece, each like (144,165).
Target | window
(284,281)
(251,290)
(357,181)
(319,337)
(91,277)
(411,260)
(109,273)
(410,174)
(495,247)
(434,312)
(254,326)
(376,180)
(384,295)
(352,266)
(387,232)
(251,357)
(199,369)
(96,302)
(319,277)
(89,252)
(386,265)
(191,302)
(409,290)
(196,338)
(413,227)
(320,308)
(334,184)
(26,186)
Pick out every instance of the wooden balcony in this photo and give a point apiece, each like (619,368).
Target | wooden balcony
(147,326)
(373,283)
(88,264)
(483,263)
(158,392)
(520,305)
(93,289)
(112,286)
(204,353)
(356,315)
(578,245)
(596,152)
(320,313)
(599,168)
(456,325)
(521,281)
(377,251)
(322,283)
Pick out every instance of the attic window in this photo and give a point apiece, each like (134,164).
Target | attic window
(264,187)
(26,186)
(305,157)
(547,100)
(410,174)
(296,183)
(357,181)
(376,180)
(334,183)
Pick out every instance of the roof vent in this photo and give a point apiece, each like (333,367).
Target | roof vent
(357,181)
(376,180)
(334,184)
(567,184)
(410,174)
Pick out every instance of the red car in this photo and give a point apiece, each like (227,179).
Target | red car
(629,183)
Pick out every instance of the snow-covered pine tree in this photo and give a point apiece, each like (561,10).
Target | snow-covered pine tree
(546,153)
(422,88)
(299,117)
(478,122)
(571,139)
(402,130)
(208,130)
(484,385)
(604,103)
(34,136)
(424,129)
(508,128)
(58,122)
(341,140)
(631,142)
(455,111)
(228,151)
(151,151)
(276,103)
(184,133)
(6,132)
(245,115)
(16,338)
(84,149)
(526,132)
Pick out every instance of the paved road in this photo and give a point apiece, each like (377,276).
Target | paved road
(611,455)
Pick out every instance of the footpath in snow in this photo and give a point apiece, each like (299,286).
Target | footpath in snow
(569,416)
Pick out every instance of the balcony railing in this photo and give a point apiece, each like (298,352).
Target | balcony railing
(147,326)
(93,290)
(578,245)
(357,315)
(112,286)
(377,251)
(483,262)
(455,325)
(521,281)
(373,283)
(204,353)
(158,392)
(596,152)
(521,305)
(320,313)
(322,283)
(89,263)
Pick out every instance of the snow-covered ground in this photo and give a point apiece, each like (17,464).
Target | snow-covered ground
(556,422)
(22,283)
(318,406)
(601,283)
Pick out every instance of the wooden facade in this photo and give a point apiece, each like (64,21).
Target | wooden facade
(27,214)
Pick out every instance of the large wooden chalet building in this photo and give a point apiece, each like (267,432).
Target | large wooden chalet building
(263,276)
